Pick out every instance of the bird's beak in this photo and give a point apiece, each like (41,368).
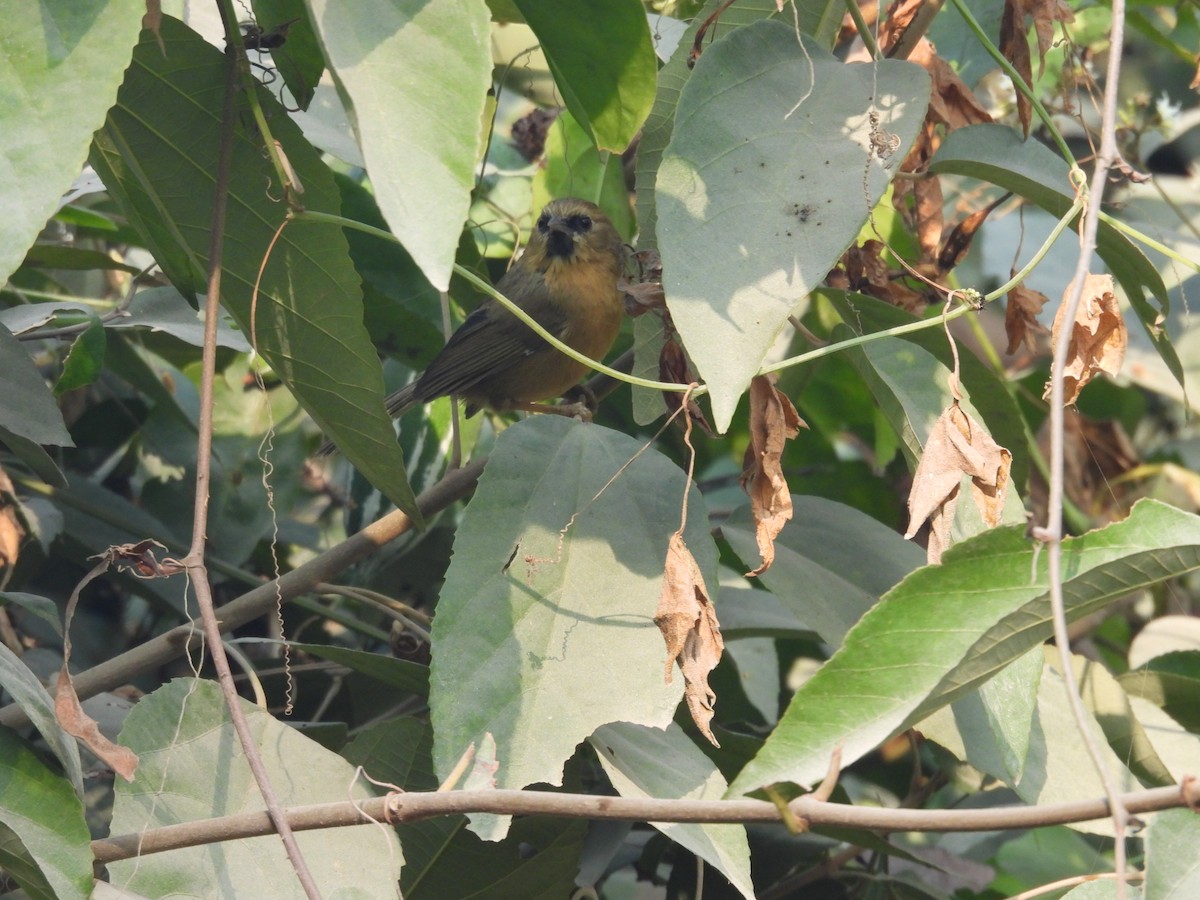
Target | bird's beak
(559,241)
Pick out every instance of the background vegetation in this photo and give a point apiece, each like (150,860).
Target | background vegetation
(842,205)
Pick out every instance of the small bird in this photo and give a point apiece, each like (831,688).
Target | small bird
(567,281)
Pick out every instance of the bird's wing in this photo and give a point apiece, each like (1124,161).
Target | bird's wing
(491,339)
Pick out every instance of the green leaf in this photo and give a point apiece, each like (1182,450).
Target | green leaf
(442,858)
(818,573)
(27,406)
(54,256)
(299,60)
(157,155)
(820,21)
(990,397)
(1171,681)
(42,607)
(603,63)
(1109,704)
(44,841)
(401,674)
(37,460)
(652,763)
(575,168)
(415,75)
(1054,765)
(946,629)
(165,309)
(192,768)
(547,610)
(63,63)
(1102,890)
(84,360)
(1175,745)
(27,691)
(996,153)
(156,309)
(768,177)
(1008,709)
(1173,855)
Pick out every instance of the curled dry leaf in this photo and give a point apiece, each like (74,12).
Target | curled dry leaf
(79,724)
(958,242)
(688,623)
(1045,13)
(952,103)
(1021,318)
(1098,336)
(643,291)
(139,559)
(673,366)
(773,421)
(1015,46)
(1014,42)
(957,446)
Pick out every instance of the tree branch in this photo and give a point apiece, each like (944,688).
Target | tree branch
(413,807)
(261,600)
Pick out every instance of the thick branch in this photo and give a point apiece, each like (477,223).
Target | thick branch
(416,806)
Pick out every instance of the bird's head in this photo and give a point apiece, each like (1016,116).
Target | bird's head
(570,231)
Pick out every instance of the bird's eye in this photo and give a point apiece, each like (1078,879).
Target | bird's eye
(543,222)
(580,223)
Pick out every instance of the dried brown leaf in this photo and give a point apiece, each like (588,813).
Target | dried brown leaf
(139,559)
(1021,318)
(958,242)
(1045,13)
(1014,44)
(900,16)
(951,103)
(673,366)
(80,725)
(957,446)
(1098,336)
(688,623)
(773,421)
(929,224)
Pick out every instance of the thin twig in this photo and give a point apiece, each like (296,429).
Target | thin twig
(197,570)
(259,601)
(1052,534)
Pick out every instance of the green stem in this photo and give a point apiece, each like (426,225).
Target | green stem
(1019,83)
(829,350)
(1058,229)
(864,30)
(1150,242)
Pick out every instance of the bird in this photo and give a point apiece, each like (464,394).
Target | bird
(566,280)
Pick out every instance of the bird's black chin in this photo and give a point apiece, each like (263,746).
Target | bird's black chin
(559,244)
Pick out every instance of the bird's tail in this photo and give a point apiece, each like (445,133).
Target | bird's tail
(397,404)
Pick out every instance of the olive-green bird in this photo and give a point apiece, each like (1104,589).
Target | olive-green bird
(567,281)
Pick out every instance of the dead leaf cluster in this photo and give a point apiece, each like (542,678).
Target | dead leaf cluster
(1014,41)
(1098,336)
(140,559)
(688,623)
(957,446)
(773,421)
(1021,319)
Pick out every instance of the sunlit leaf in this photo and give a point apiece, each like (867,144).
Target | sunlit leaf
(779,153)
